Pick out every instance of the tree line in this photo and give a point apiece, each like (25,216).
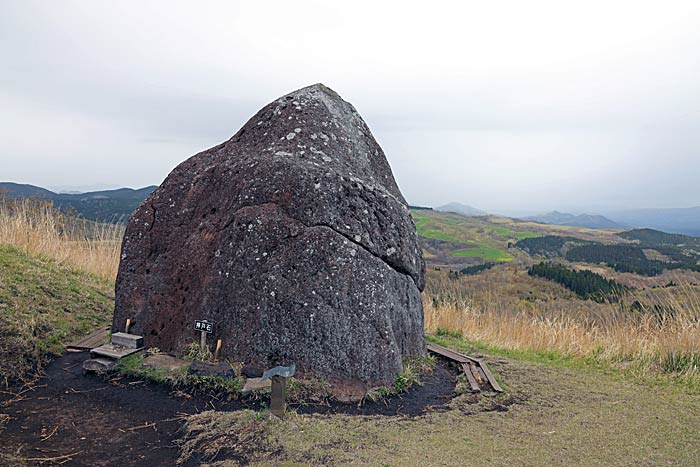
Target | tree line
(630,258)
(586,284)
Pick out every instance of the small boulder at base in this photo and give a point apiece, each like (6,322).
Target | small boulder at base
(293,238)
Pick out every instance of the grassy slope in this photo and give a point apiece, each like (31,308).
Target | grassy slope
(487,237)
(471,237)
(43,306)
(485,252)
(555,415)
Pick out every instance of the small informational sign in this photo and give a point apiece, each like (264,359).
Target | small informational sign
(204,325)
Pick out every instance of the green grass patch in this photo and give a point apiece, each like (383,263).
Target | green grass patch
(43,307)
(413,369)
(512,233)
(454,340)
(440,332)
(133,366)
(437,235)
(485,252)
(429,228)
(524,235)
(681,363)
(502,231)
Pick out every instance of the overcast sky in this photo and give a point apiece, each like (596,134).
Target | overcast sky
(512,107)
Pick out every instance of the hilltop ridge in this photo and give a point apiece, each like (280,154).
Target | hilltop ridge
(459,208)
(592,221)
(105,205)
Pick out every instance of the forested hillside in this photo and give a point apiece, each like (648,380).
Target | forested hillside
(585,284)
(108,205)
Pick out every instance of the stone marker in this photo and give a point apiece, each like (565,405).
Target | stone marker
(278,396)
(294,238)
(222,370)
(255,384)
(164,362)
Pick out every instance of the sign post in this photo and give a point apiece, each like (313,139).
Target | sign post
(278,395)
(205,327)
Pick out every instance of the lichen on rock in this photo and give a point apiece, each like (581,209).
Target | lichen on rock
(293,237)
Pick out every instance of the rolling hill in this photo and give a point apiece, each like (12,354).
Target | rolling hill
(107,205)
(581,220)
(463,209)
(675,220)
(456,241)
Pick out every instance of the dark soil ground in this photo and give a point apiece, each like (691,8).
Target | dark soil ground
(104,423)
(88,420)
(436,390)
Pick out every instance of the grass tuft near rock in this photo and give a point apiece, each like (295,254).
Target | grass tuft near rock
(413,369)
(133,366)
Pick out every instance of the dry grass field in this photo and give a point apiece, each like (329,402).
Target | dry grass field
(501,308)
(589,384)
(39,229)
(56,282)
(507,309)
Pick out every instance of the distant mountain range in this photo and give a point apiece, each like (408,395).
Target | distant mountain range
(107,205)
(117,205)
(684,221)
(463,209)
(582,220)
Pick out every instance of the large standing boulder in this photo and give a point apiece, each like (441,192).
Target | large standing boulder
(294,238)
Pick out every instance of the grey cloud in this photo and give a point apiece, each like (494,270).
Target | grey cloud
(511,110)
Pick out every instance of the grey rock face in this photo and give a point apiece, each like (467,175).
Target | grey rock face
(294,238)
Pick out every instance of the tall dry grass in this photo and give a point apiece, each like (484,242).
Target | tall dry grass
(40,229)
(661,332)
(503,308)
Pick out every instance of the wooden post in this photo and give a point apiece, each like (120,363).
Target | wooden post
(216,352)
(203,341)
(278,396)
(128,325)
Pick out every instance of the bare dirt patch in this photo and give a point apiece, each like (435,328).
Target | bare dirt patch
(99,421)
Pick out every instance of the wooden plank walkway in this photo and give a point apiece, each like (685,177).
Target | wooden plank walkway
(445,352)
(470,377)
(474,368)
(91,341)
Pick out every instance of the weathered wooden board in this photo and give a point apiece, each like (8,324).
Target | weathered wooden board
(470,377)
(445,352)
(91,341)
(475,369)
(492,381)
(113,352)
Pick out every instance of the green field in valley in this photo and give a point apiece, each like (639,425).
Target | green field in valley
(485,252)
(471,237)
